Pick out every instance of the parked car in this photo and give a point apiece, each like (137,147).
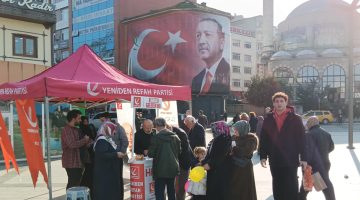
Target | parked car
(95,120)
(324,116)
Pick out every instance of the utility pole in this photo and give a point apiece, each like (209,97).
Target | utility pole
(352,12)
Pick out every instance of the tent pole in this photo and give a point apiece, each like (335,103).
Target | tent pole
(133,134)
(43,127)
(48,145)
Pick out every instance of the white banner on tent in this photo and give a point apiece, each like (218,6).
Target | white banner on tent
(145,102)
(169,112)
(125,117)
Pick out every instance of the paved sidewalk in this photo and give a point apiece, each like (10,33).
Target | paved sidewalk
(344,173)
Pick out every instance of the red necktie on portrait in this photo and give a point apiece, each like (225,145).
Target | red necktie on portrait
(207,84)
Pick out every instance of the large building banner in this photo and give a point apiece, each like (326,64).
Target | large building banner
(182,48)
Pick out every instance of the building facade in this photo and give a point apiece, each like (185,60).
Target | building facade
(25,39)
(97,24)
(246,47)
(313,46)
(61,36)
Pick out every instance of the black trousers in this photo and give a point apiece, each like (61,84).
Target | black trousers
(74,177)
(285,183)
(121,190)
(87,178)
(180,181)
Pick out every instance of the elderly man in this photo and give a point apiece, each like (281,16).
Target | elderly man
(318,145)
(196,132)
(143,137)
(210,42)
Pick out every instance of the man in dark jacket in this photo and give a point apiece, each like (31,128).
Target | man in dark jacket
(318,146)
(184,162)
(282,141)
(165,149)
(196,133)
(202,119)
(143,138)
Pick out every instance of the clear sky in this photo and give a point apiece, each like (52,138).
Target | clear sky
(250,8)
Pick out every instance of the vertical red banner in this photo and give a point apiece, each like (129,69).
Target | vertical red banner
(31,138)
(6,147)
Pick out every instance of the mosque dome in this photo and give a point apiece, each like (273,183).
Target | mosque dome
(316,24)
(318,6)
(332,53)
(306,54)
(281,55)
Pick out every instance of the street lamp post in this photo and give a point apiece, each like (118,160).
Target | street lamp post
(353,7)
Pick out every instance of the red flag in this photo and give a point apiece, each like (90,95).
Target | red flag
(6,147)
(163,49)
(31,138)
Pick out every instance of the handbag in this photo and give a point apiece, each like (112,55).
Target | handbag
(319,183)
(197,188)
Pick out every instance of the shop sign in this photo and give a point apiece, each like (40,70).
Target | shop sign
(31,4)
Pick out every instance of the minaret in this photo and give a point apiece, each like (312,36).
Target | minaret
(268,35)
(268,24)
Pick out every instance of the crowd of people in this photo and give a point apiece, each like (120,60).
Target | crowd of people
(95,159)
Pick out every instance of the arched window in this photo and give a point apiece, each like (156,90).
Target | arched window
(284,75)
(357,81)
(334,77)
(307,74)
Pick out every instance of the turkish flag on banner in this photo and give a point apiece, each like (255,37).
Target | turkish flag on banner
(31,138)
(6,147)
(162,49)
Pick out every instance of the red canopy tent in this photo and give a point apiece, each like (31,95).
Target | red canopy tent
(84,77)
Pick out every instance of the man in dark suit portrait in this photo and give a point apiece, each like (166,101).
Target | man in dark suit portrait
(215,78)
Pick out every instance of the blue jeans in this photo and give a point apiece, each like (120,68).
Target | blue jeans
(160,184)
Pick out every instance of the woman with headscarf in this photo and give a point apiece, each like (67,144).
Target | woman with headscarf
(241,180)
(106,166)
(217,160)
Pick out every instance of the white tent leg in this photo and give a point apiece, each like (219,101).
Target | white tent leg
(43,128)
(47,123)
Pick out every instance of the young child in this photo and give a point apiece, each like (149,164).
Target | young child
(199,153)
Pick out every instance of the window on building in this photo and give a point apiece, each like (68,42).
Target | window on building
(247,58)
(247,83)
(235,56)
(357,81)
(24,45)
(247,45)
(307,74)
(65,34)
(259,46)
(236,43)
(236,83)
(236,69)
(284,75)
(334,77)
(247,70)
